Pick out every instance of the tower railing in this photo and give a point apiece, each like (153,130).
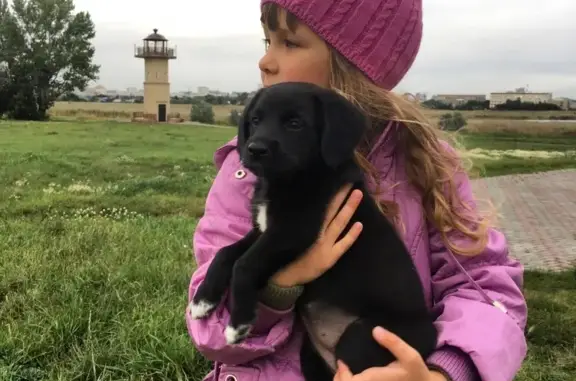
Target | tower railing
(155,52)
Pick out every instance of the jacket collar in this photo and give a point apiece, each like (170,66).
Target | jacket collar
(223,151)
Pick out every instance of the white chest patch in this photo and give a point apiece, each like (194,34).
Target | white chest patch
(262,217)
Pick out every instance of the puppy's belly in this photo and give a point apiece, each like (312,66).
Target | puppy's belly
(325,324)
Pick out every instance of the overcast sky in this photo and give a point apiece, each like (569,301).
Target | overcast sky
(469,46)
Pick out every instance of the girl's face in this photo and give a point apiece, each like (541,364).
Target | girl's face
(294,56)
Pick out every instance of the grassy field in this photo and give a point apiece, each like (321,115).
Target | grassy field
(96,222)
(123,111)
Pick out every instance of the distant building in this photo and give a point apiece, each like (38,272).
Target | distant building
(202,90)
(566,104)
(421,97)
(459,99)
(217,93)
(520,94)
(415,97)
(96,90)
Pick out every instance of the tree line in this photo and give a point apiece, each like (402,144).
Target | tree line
(239,99)
(509,105)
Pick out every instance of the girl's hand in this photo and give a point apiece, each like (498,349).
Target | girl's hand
(409,365)
(327,250)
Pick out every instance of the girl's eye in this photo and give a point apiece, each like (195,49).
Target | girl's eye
(266,43)
(287,43)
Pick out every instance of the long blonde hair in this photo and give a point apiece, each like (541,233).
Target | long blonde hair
(430,166)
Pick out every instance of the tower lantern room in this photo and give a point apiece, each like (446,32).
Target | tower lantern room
(156,54)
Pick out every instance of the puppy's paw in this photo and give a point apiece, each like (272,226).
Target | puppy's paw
(234,335)
(201,309)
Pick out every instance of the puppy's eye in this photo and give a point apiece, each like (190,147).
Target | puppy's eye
(294,124)
(255,120)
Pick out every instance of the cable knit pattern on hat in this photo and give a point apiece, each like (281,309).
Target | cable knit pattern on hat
(337,14)
(376,28)
(380,37)
(401,47)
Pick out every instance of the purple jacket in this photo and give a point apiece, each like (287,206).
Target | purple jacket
(480,307)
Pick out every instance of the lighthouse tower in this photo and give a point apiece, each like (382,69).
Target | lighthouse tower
(156,54)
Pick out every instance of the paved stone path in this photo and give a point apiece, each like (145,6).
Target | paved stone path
(537,212)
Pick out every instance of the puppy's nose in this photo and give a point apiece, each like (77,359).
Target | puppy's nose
(257,149)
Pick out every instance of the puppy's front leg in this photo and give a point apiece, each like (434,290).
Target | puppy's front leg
(358,349)
(250,275)
(218,276)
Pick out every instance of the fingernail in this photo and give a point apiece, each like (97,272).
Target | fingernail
(380,331)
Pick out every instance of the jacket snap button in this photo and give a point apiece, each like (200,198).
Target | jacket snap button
(240,174)
(231,378)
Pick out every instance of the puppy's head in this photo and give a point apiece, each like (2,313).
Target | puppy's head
(294,126)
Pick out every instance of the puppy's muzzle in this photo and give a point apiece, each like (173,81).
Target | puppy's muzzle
(258,150)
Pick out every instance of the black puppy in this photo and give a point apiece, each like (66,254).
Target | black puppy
(299,140)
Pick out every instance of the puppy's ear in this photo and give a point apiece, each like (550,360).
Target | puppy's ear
(244,122)
(343,127)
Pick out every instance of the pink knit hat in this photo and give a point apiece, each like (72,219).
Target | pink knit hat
(380,37)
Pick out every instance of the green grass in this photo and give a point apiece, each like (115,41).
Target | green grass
(502,141)
(551,326)
(510,165)
(96,221)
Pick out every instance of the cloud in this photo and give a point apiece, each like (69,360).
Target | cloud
(226,63)
(472,46)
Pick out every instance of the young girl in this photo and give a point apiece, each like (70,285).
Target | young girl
(363,48)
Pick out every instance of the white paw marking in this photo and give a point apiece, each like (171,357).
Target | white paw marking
(200,310)
(234,335)
(262,217)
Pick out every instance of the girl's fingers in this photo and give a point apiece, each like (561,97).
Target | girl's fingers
(337,377)
(339,222)
(406,355)
(343,372)
(334,205)
(347,241)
